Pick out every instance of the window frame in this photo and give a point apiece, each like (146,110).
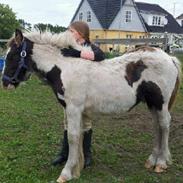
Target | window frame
(156,20)
(88,16)
(128,16)
(80,16)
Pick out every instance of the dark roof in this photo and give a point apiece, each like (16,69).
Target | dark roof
(172,25)
(105,10)
(180,16)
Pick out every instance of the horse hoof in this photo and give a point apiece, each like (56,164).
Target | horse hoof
(148,164)
(61,179)
(160,168)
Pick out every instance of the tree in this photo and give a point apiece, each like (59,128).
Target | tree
(54,29)
(8,22)
(24,25)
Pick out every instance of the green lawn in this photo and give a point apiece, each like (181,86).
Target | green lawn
(31,129)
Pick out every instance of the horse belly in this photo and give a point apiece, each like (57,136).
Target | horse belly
(110,101)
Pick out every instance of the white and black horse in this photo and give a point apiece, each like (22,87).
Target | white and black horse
(84,87)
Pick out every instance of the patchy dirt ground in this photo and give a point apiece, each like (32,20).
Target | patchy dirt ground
(130,136)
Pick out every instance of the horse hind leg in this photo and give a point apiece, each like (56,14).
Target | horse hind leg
(153,96)
(160,156)
(151,161)
(164,156)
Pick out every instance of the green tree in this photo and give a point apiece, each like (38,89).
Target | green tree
(8,22)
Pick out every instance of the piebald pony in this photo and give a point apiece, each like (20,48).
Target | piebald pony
(84,87)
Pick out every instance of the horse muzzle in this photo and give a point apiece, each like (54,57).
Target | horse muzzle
(9,87)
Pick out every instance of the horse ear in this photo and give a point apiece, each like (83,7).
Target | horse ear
(18,37)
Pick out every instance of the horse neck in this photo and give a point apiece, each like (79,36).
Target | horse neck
(46,57)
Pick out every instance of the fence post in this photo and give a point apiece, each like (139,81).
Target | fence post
(166,45)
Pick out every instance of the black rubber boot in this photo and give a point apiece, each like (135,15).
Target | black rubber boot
(87,137)
(63,155)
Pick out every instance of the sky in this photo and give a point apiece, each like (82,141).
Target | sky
(60,12)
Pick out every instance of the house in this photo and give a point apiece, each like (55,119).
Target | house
(180,22)
(159,22)
(110,19)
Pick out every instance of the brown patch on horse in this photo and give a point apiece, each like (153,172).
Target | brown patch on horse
(134,71)
(143,48)
(174,93)
(150,93)
(17,39)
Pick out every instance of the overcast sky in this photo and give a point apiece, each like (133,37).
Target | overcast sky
(60,12)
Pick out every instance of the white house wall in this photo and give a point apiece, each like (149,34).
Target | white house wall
(129,2)
(119,21)
(85,7)
(180,22)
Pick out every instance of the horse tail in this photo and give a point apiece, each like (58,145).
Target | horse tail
(177,83)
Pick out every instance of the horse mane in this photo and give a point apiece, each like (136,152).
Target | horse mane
(61,40)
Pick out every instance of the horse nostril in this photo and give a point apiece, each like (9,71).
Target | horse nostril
(13,81)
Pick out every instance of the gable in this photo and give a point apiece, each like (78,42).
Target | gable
(136,23)
(83,8)
(104,10)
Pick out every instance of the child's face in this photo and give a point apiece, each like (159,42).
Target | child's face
(76,34)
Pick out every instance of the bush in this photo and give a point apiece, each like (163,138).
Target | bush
(109,55)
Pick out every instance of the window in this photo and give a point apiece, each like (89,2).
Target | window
(159,20)
(156,20)
(88,16)
(128,36)
(128,16)
(81,16)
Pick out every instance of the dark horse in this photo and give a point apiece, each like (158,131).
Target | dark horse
(84,88)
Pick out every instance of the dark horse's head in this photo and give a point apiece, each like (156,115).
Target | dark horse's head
(18,61)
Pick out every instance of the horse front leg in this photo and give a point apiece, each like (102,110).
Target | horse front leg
(75,160)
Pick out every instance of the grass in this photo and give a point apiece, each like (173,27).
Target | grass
(31,127)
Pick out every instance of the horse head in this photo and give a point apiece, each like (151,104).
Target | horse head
(18,61)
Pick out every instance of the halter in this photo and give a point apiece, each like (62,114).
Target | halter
(21,64)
